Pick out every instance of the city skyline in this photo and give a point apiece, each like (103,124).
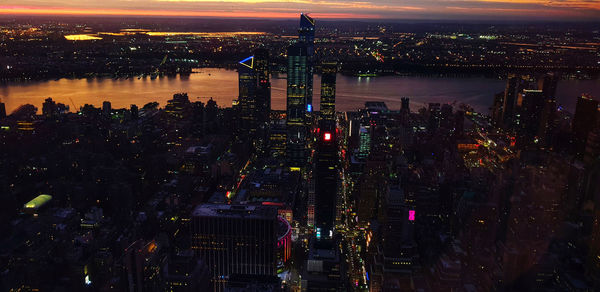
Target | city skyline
(565,10)
(340,181)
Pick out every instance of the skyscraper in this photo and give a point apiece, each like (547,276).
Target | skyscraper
(254,100)
(263,88)
(296,105)
(532,106)
(514,86)
(328,79)
(306,33)
(306,37)
(326,158)
(547,84)
(326,179)
(247,97)
(235,239)
(584,121)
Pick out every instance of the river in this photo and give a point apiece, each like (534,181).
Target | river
(222,86)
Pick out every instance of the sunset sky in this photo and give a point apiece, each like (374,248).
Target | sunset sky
(373,9)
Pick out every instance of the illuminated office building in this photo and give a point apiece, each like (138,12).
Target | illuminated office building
(296,105)
(306,37)
(364,142)
(263,88)
(277,139)
(254,100)
(247,97)
(236,239)
(328,79)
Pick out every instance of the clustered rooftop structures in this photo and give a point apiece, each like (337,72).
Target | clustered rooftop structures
(129,183)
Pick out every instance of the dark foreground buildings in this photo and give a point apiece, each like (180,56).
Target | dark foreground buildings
(235,239)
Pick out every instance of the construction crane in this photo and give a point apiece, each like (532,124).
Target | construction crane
(74,107)
(164,60)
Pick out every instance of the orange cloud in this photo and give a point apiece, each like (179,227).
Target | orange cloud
(137,12)
(329,4)
(575,4)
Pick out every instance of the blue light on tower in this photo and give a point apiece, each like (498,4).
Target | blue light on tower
(245,62)
(309,108)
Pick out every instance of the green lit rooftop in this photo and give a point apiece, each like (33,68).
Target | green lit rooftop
(37,202)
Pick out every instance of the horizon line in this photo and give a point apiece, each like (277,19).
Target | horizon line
(75,12)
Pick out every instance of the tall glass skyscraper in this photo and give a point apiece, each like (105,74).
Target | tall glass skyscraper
(306,37)
(247,96)
(263,88)
(296,105)
(254,100)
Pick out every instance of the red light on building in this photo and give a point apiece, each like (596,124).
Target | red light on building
(272,204)
(411,215)
(284,242)
(327,136)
